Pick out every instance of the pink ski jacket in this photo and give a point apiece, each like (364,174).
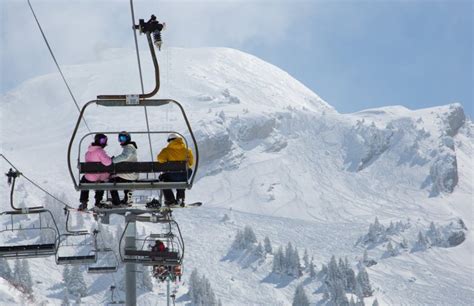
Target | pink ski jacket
(97,154)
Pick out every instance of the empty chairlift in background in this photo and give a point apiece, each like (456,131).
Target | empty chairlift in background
(106,258)
(27,231)
(76,247)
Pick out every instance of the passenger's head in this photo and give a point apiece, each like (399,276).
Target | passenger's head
(100,140)
(124,138)
(173,136)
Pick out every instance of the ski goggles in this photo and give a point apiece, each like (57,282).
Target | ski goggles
(122,137)
(103,140)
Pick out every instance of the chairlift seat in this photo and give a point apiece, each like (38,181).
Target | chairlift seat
(134,167)
(28,250)
(76,259)
(151,257)
(101,269)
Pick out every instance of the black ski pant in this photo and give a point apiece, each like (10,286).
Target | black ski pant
(175,177)
(84,198)
(114,193)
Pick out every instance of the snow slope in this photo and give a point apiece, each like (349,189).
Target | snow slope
(282,159)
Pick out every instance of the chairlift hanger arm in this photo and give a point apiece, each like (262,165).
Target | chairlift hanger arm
(157,76)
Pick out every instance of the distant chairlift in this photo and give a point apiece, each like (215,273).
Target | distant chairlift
(76,247)
(142,252)
(19,241)
(107,261)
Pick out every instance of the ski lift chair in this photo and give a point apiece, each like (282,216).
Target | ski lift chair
(106,262)
(47,229)
(134,167)
(45,246)
(70,242)
(142,253)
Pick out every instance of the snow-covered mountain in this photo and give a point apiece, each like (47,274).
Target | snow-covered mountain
(278,158)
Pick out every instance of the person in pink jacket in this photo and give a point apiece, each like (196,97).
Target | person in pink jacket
(95,153)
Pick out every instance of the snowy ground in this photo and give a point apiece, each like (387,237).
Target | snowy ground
(273,156)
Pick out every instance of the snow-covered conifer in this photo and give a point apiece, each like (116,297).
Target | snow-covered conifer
(323,272)
(66,275)
(300,298)
(26,280)
(77,285)
(267,245)
(295,264)
(390,251)
(337,293)
(306,259)
(5,270)
(375,303)
(403,244)
(278,261)
(249,235)
(421,244)
(363,280)
(65,301)
(200,290)
(17,273)
(259,252)
(434,235)
(312,270)
(194,288)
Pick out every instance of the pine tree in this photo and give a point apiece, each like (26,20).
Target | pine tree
(249,236)
(363,279)
(267,245)
(404,244)
(194,289)
(65,301)
(200,290)
(434,235)
(365,257)
(66,276)
(390,252)
(421,244)
(17,273)
(259,252)
(295,264)
(5,270)
(306,258)
(300,298)
(288,259)
(26,281)
(77,285)
(278,261)
(375,303)
(312,270)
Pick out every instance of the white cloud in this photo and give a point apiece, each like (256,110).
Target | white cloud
(79,31)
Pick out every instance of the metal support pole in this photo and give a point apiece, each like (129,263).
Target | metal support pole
(168,303)
(130,275)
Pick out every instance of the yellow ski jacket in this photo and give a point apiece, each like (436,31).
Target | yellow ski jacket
(176,151)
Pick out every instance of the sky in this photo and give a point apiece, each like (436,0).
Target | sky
(353,54)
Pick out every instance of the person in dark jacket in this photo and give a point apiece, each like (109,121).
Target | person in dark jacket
(129,154)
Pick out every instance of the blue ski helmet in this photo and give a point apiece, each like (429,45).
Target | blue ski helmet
(124,137)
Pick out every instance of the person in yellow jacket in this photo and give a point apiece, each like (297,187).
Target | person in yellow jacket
(176,150)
